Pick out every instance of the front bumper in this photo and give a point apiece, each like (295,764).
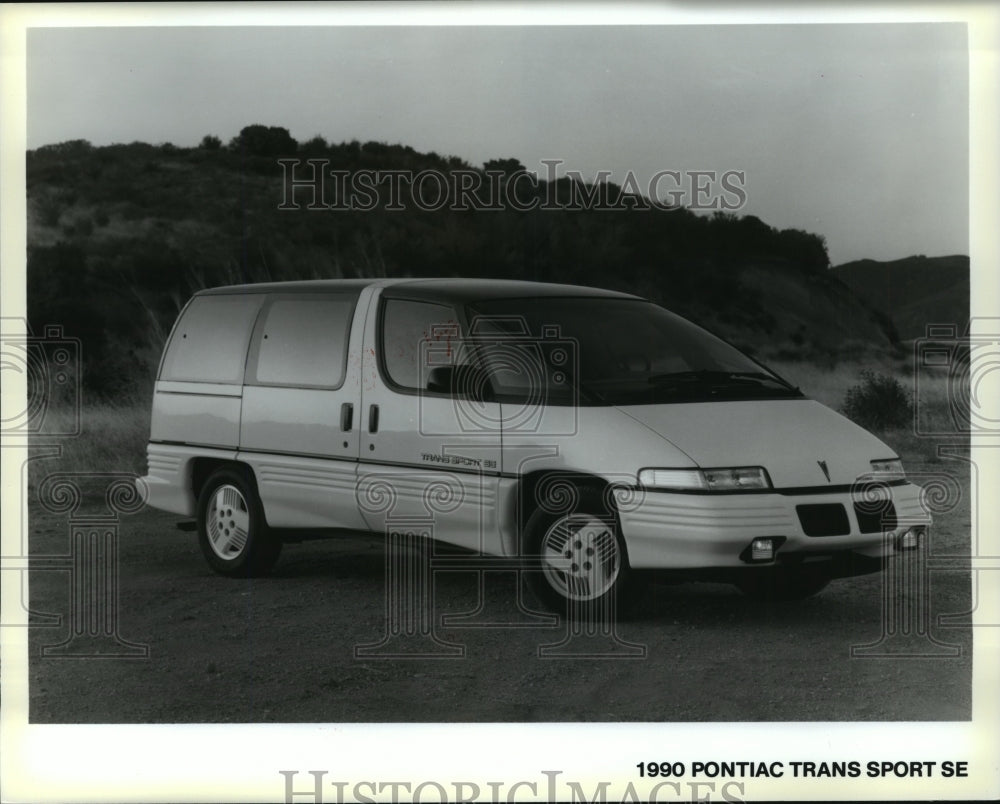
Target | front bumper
(669,530)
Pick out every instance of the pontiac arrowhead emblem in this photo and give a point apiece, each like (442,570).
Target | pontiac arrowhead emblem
(826,472)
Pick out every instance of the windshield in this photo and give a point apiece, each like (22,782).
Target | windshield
(610,351)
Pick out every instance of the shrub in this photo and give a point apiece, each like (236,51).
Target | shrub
(258,140)
(878,402)
(84,226)
(50,209)
(317,146)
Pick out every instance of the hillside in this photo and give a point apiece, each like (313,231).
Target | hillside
(120,236)
(913,292)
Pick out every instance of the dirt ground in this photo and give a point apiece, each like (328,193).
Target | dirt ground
(282,649)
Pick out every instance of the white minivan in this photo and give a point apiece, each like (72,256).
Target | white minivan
(587,434)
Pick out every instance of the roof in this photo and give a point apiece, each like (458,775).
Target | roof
(466,290)
(444,289)
(308,286)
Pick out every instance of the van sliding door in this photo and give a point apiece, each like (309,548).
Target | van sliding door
(299,428)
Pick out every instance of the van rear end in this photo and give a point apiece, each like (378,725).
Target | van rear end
(198,396)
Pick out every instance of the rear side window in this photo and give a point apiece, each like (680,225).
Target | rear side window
(303,342)
(209,343)
(416,336)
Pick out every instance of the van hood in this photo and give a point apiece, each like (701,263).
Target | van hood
(791,438)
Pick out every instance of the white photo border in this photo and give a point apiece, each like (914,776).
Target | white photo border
(175,762)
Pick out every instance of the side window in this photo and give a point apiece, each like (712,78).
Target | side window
(303,342)
(209,343)
(408,324)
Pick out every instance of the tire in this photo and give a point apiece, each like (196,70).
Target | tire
(575,555)
(232,531)
(768,585)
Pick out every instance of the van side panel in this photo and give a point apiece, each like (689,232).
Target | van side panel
(196,413)
(298,421)
(303,492)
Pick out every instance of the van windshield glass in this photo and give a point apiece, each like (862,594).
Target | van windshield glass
(610,351)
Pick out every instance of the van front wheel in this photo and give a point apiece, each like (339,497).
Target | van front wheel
(576,556)
(232,533)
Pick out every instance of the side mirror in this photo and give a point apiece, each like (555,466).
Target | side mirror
(466,381)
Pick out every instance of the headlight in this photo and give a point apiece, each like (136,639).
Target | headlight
(888,469)
(739,478)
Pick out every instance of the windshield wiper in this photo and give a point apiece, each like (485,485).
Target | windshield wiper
(716,378)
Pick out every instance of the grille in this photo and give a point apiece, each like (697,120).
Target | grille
(825,519)
(877,517)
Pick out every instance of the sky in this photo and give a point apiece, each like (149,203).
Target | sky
(857,132)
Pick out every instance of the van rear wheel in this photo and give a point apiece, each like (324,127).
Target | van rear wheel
(232,533)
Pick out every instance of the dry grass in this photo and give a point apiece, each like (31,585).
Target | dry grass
(829,385)
(112,439)
(932,394)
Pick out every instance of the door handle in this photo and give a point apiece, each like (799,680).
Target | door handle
(373,419)
(346,417)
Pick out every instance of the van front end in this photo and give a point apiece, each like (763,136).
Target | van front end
(849,530)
